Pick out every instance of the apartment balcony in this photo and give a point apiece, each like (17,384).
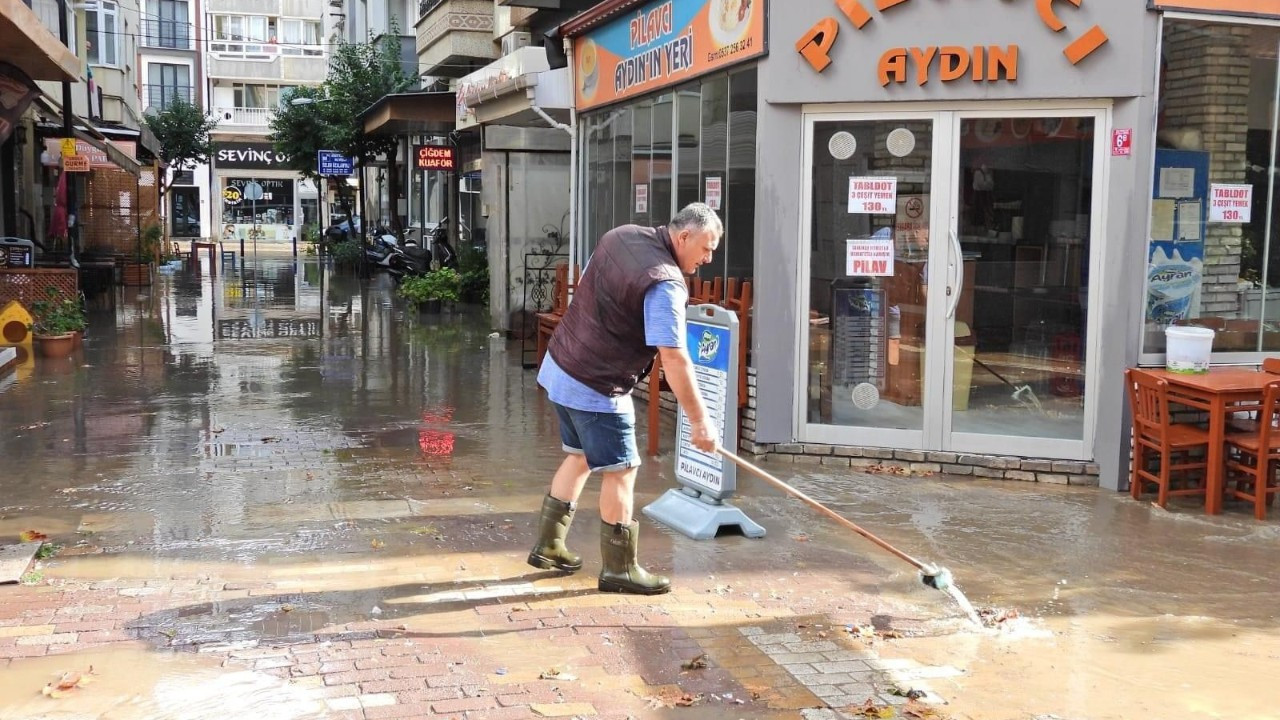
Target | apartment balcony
(244,119)
(277,8)
(159,96)
(266,62)
(455,37)
(167,35)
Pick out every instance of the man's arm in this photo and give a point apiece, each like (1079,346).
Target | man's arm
(665,329)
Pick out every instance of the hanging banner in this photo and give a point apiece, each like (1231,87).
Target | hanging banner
(664,43)
(17,91)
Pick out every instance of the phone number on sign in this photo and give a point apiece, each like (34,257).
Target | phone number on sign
(733,49)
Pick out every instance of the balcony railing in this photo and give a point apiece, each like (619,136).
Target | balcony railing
(171,34)
(245,117)
(159,96)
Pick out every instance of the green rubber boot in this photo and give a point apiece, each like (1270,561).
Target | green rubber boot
(550,551)
(620,573)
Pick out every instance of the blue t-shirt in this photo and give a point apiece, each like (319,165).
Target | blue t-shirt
(664,318)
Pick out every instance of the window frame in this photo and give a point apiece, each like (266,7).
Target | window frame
(94,54)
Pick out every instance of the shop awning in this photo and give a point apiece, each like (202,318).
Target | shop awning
(29,45)
(424,113)
(86,131)
(507,91)
(596,16)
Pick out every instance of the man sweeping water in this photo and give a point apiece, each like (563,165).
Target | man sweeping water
(628,308)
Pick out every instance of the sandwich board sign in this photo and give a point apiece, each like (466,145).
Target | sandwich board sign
(697,508)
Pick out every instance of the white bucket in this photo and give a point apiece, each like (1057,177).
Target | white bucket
(1187,349)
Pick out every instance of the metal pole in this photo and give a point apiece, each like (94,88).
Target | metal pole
(68,132)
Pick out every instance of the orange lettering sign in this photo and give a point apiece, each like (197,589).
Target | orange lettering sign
(816,44)
(990,63)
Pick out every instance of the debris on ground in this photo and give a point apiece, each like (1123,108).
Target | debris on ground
(377,544)
(870,633)
(917,711)
(898,470)
(66,682)
(556,673)
(993,617)
(908,693)
(870,709)
(698,663)
(27,536)
(270,440)
(48,550)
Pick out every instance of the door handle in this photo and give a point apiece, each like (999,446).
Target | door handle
(957,283)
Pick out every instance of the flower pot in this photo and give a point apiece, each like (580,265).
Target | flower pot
(56,346)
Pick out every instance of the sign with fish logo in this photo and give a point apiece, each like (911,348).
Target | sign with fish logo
(713,351)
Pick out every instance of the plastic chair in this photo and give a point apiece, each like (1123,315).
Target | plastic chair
(1172,442)
(1252,457)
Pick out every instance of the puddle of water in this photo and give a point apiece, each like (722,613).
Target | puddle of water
(141,684)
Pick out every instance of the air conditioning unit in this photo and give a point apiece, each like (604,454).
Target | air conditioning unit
(513,41)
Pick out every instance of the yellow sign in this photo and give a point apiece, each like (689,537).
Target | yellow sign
(68,147)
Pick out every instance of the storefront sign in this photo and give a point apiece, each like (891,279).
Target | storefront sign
(869,257)
(1258,8)
(248,156)
(642,199)
(948,63)
(664,43)
(434,157)
(714,192)
(873,195)
(97,158)
(333,163)
(68,146)
(1122,142)
(713,351)
(75,163)
(1230,203)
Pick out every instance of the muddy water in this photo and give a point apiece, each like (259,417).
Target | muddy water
(1127,611)
(139,684)
(176,446)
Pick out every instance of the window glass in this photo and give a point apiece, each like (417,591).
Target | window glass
(641,163)
(714,147)
(620,183)
(689,134)
(740,195)
(1212,256)
(660,195)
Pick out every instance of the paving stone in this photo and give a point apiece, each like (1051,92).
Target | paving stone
(811,647)
(845,666)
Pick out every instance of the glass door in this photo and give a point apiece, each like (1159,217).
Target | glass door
(871,236)
(1024,213)
(948,281)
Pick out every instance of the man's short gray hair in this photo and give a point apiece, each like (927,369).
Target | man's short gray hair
(696,216)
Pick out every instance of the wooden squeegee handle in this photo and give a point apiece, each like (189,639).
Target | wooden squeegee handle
(823,509)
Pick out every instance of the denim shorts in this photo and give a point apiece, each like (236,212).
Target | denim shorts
(608,440)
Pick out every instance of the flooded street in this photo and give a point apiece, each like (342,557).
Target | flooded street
(282,494)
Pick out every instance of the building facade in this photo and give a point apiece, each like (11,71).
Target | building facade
(964,222)
(254,53)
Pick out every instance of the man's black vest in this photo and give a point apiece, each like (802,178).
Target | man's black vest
(600,341)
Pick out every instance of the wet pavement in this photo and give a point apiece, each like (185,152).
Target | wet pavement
(281,494)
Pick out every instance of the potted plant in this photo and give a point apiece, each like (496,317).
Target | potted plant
(56,323)
(430,291)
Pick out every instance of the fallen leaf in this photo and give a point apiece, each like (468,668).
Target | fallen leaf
(270,439)
(424,530)
(67,681)
(916,711)
(822,633)
(377,544)
(698,663)
(32,536)
(686,700)
(287,608)
(871,710)
(800,538)
(169,633)
(557,674)
(218,431)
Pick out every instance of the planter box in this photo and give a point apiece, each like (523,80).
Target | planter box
(136,274)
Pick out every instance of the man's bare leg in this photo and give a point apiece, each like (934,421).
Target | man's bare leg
(570,478)
(617,496)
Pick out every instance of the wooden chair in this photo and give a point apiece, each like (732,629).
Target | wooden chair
(1252,457)
(1271,365)
(1173,443)
(549,321)
(1245,420)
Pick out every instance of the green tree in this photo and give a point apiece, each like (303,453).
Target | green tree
(361,74)
(300,131)
(183,132)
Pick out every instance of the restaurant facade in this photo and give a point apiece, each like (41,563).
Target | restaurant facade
(962,221)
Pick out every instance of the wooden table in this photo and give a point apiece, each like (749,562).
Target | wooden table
(1216,392)
(196,247)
